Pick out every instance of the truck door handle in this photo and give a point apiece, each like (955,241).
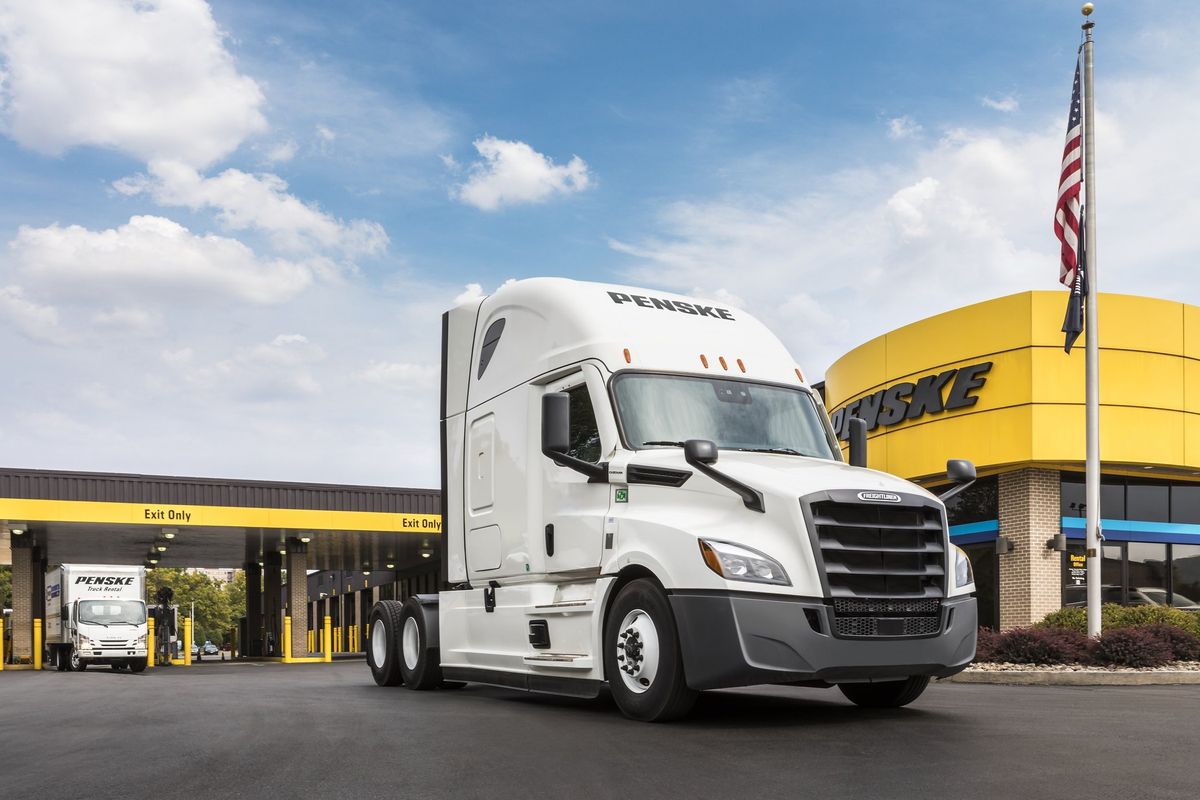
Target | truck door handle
(550,540)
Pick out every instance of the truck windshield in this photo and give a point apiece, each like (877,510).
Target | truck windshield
(112,612)
(667,410)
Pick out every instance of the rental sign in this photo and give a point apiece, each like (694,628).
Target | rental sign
(909,401)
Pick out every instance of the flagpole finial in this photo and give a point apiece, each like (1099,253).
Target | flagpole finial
(1087,9)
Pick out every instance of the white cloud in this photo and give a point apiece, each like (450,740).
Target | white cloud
(473,293)
(31,319)
(904,127)
(512,173)
(153,256)
(152,79)
(244,201)
(1007,104)
(400,375)
(131,320)
(281,151)
(325,134)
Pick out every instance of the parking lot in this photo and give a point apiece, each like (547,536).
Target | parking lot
(245,730)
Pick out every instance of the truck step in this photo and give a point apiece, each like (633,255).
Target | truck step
(564,607)
(560,660)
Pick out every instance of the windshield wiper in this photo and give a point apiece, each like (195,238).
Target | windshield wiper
(786,451)
(669,444)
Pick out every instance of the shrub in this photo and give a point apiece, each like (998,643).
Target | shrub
(1185,645)
(1073,618)
(985,645)
(1040,646)
(1132,647)
(1113,616)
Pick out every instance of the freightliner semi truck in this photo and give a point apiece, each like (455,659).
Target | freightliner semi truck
(96,614)
(641,492)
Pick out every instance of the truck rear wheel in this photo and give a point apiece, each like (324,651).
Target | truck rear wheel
(419,663)
(383,651)
(889,694)
(642,660)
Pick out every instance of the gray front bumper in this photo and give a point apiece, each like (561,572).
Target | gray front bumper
(733,639)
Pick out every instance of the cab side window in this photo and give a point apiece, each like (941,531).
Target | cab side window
(585,433)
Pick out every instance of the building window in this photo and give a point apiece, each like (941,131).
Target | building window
(979,502)
(1185,575)
(984,563)
(1147,501)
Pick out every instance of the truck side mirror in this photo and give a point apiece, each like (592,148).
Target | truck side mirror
(858,442)
(959,470)
(556,422)
(701,450)
(961,473)
(556,438)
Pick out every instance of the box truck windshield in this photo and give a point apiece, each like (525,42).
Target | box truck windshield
(659,410)
(112,612)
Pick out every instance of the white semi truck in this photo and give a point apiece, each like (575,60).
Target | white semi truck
(96,614)
(641,491)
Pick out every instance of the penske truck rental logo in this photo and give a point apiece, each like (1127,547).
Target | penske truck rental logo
(679,306)
(103,580)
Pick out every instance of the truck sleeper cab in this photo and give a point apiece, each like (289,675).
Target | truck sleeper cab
(641,491)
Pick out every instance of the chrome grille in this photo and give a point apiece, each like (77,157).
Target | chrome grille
(878,550)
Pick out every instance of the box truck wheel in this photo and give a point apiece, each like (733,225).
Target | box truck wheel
(383,651)
(60,659)
(642,661)
(889,694)
(419,663)
(77,663)
(137,665)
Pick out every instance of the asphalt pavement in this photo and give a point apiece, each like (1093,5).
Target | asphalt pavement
(260,730)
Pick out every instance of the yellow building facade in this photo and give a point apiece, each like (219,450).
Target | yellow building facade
(990,382)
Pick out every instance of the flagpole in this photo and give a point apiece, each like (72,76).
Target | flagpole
(1091,329)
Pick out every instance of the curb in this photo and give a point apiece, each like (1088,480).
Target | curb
(1078,678)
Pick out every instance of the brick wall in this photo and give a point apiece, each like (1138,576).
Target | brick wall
(22,600)
(297,594)
(1031,574)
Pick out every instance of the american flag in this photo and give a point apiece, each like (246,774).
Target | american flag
(1067,216)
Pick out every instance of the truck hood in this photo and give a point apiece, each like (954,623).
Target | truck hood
(788,476)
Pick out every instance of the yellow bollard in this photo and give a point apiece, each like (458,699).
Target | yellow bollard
(287,640)
(150,642)
(187,641)
(37,644)
(326,640)
(1,643)
(309,642)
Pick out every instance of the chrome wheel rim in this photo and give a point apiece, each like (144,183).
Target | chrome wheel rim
(378,644)
(411,643)
(638,651)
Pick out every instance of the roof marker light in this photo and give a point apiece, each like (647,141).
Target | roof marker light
(799,374)
(741,366)
(628,358)
(723,364)
(704,360)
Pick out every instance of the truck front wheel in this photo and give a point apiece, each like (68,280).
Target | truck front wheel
(383,651)
(77,663)
(642,660)
(137,665)
(888,694)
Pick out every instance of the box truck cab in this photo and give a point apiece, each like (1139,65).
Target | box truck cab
(96,614)
(640,490)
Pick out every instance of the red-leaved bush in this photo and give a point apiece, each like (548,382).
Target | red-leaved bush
(1185,645)
(1039,646)
(985,645)
(1132,647)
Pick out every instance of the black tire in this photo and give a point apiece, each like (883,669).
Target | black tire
(668,696)
(60,659)
(385,660)
(116,667)
(889,694)
(422,669)
(137,665)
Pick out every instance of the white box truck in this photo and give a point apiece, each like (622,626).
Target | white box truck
(641,491)
(96,614)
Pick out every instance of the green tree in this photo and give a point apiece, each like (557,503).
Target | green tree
(6,587)
(213,613)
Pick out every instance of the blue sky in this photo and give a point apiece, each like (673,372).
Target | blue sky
(231,227)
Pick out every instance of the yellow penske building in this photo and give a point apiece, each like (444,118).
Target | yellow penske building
(991,383)
(339,547)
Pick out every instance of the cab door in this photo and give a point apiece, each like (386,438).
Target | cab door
(573,509)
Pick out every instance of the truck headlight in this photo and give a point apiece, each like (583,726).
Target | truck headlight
(85,641)
(141,640)
(963,575)
(737,563)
